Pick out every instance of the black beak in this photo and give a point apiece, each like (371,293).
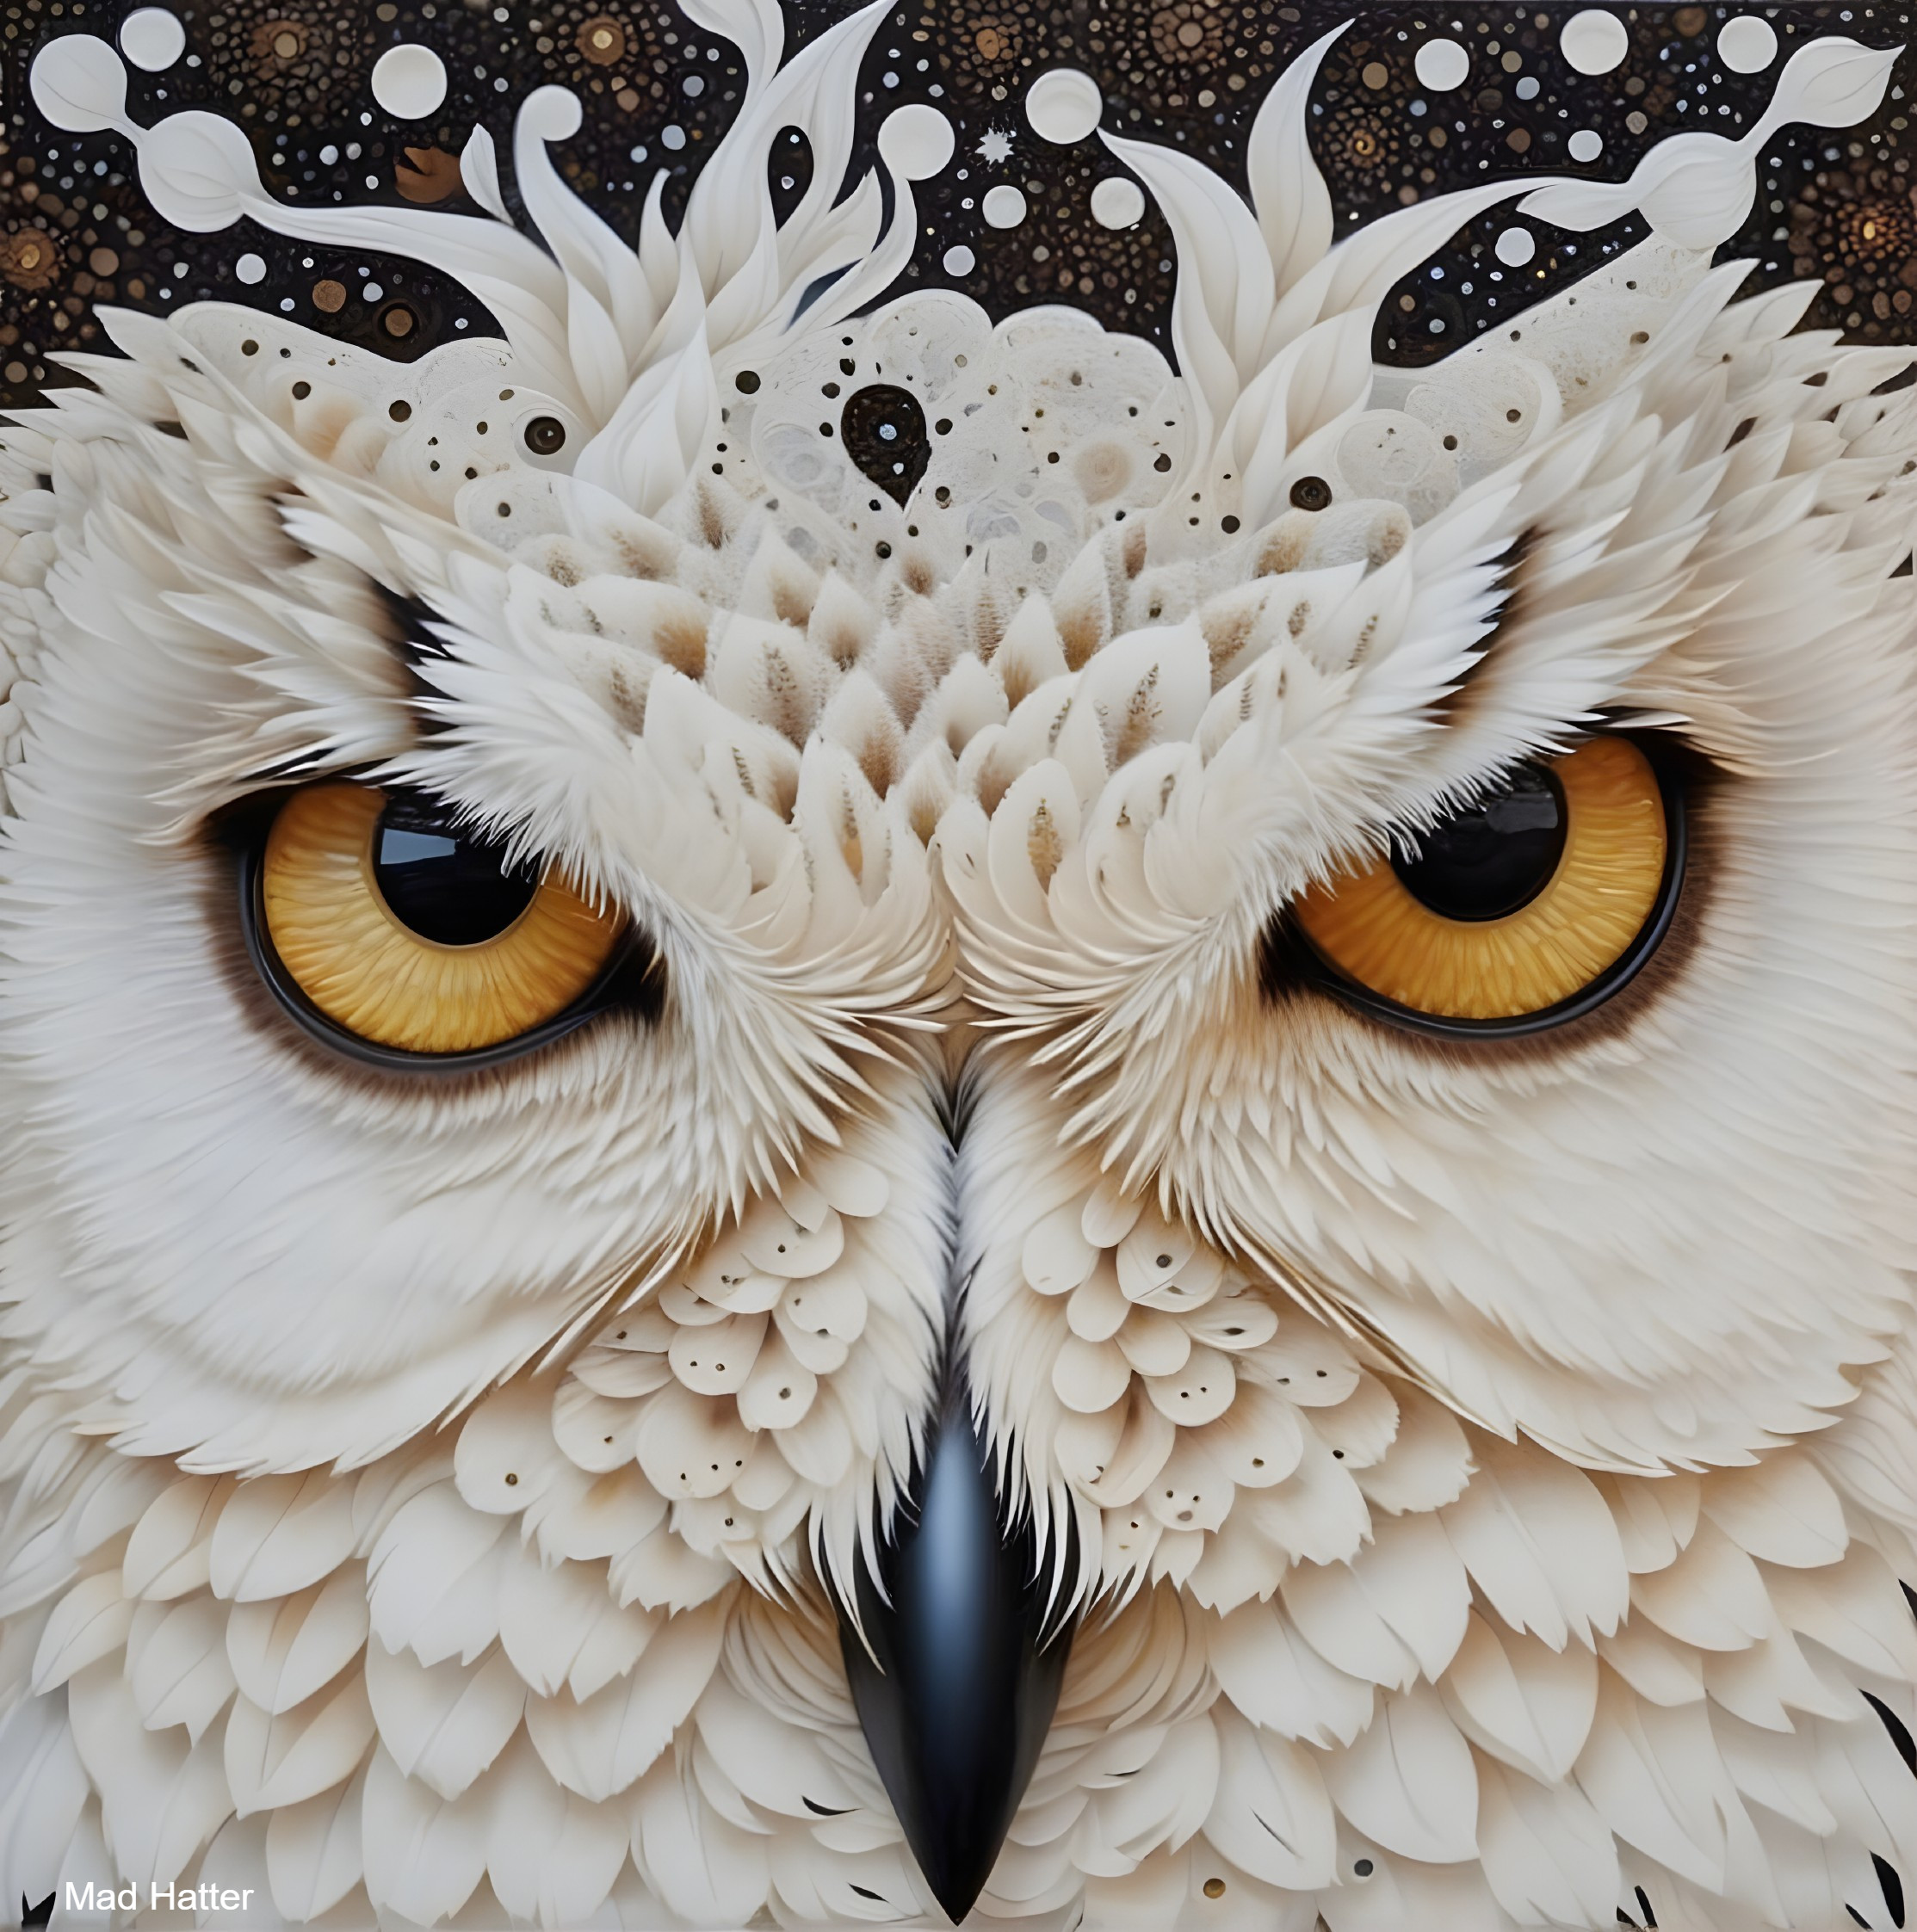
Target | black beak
(958,1690)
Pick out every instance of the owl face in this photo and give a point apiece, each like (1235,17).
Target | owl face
(1331,939)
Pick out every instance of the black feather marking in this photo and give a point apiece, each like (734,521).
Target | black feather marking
(1899,1735)
(1893,1888)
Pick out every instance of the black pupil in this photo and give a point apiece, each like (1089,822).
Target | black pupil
(1494,856)
(445,885)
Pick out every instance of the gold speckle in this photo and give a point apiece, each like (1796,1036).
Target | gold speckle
(602,40)
(29,258)
(427,174)
(1043,846)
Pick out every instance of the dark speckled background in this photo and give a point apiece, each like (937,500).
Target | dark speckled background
(75,229)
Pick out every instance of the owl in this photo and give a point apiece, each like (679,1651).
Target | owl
(819,1114)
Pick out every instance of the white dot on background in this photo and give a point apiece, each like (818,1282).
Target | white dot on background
(1586,145)
(250,268)
(1117,202)
(1004,207)
(1064,106)
(409,81)
(1594,42)
(916,142)
(673,137)
(153,39)
(959,261)
(1442,65)
(1515,247)
(1748,45)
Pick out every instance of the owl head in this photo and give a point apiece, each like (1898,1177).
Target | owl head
(585,918)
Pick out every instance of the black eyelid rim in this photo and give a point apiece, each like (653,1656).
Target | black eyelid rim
(631,964)
(1664,761)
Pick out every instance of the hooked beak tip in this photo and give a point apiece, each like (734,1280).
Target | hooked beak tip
(956,1674)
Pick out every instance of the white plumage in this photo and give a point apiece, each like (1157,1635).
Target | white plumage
(1481,1477)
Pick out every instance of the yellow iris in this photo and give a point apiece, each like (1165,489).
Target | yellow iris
(372,974)
(1595,903)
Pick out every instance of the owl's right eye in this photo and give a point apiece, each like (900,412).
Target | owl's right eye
(407,930)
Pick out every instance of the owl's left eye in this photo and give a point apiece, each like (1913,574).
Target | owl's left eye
(1522,909)
(389,920)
